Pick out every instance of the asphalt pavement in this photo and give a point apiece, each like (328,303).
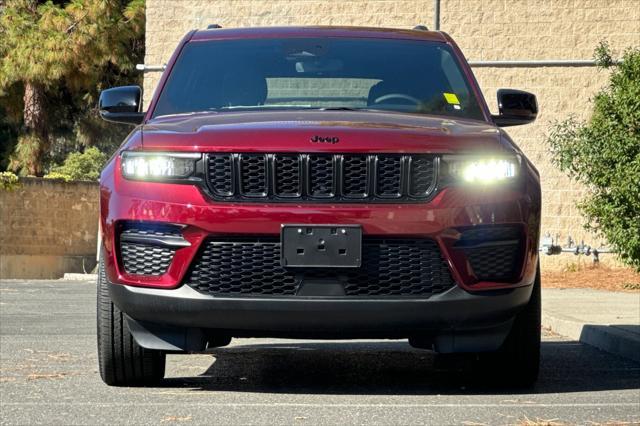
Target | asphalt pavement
(48,375)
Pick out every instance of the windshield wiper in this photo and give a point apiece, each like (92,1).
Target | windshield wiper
(254,107)
(180,114)
(352,109)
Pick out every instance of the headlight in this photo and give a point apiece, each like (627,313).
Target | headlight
(158,165)
(482,170)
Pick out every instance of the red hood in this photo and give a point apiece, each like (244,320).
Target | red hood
(292,131)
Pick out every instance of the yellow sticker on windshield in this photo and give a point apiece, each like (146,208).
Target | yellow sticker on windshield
(451,98)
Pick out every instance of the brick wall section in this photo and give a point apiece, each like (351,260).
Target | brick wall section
(484,29)
(47,228)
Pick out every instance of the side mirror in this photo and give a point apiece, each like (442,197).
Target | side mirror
(515,107)
(121,105)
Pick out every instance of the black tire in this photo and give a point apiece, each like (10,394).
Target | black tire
(517,363)
(121,360)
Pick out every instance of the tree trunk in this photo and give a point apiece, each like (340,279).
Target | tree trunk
(35,123)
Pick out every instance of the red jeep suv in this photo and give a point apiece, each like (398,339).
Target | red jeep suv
(318,182)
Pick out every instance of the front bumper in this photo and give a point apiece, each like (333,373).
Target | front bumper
(441,220)
(185,320)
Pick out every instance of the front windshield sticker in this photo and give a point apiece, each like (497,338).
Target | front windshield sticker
(452,99)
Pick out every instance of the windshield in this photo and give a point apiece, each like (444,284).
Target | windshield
(320,73)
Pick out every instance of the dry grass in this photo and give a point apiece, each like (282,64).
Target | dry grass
(555,422)
(540,422)
(47,376)
(175,419)
(580,275)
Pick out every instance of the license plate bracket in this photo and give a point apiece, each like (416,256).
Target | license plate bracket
(321,246)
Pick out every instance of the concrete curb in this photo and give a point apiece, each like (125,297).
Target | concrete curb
(615,339)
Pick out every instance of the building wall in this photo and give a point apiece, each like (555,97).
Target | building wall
(484,29)
(48,228)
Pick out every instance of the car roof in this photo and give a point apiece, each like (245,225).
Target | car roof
(317,31)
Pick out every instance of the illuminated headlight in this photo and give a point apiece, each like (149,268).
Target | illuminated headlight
(482,170)
(158,165)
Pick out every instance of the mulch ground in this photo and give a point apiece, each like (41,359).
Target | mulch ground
(594,277)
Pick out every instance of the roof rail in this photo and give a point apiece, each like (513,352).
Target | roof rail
(213,26)
(421,28)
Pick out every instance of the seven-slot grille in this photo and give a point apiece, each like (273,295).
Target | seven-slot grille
(321,177)
(391,267)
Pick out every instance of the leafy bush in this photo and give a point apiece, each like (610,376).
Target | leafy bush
(80,166)
(603,154)
(8,181)
(58,176)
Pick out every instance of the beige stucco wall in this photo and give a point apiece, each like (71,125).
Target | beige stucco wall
(484,29)
(48,228)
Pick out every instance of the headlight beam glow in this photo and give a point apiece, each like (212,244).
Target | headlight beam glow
(153,166)
(483,170)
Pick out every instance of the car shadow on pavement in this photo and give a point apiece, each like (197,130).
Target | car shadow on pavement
(394,368)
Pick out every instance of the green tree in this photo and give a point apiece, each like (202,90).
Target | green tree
(603,153)
(80,166)
(55,57)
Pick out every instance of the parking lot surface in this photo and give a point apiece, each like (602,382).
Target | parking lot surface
(48,375)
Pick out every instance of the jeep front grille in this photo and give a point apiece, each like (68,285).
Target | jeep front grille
(345,178)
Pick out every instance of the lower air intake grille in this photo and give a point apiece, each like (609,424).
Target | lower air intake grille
(494,251)
(144,259)
(495,264)
(251,267)
(140,251)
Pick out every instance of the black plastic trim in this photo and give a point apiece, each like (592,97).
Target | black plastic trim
(338,195)
(298,316)
(485,244)
(156,240)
